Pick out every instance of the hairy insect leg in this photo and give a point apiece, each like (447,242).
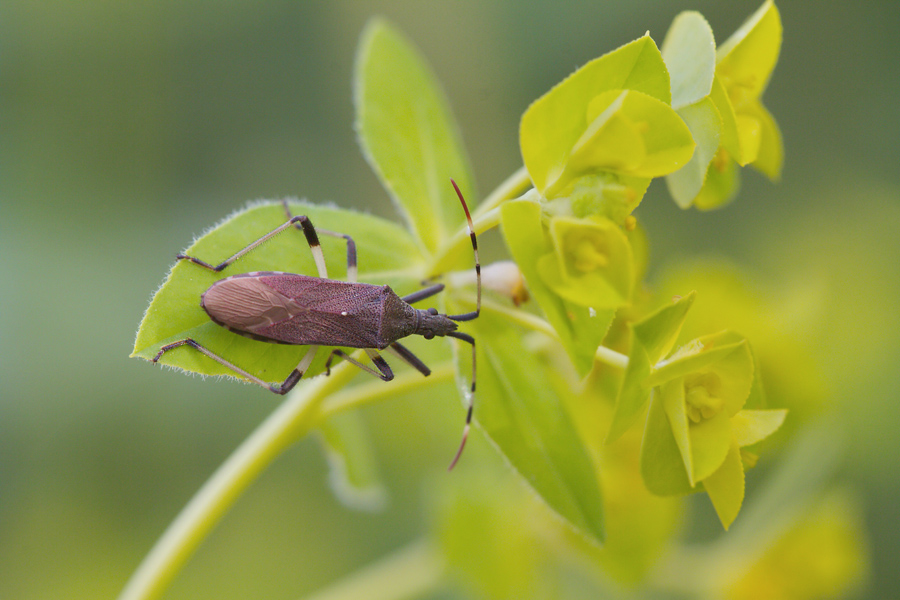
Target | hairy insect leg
(285,386)
(302,222)
(465,436)
(351,249)
(384,371)
(403,353)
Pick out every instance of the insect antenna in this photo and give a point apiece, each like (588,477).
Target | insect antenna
(471,315)
(468,317)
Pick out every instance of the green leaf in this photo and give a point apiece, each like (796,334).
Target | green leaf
(770,157)
(662,467)
(657,332)
(690,54)
(653,338)
(580,330)
(633,393)
(723,179)
(703,354)
(752,426)
(671,397)
(530,425)
(554,123)
(710,440)
(747,58)
(387,255)
(729,134)
(353,471)
(725,487)
(628,132)
(408,134)
(705,124)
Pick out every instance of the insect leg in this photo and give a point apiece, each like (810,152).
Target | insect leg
(409,358)
(286,386)
(351,249)
(423,293)
(384,371)
(466,338)
(301,222)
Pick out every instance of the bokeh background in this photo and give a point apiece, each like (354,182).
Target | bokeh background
(126,128)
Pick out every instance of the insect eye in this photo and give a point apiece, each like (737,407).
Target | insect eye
(428,336)
(432,311)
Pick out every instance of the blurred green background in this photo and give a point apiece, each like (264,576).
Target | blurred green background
(126,128)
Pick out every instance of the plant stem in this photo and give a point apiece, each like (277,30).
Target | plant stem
(289,422)
(611,357)
(312,402)
(410,572)
(509,188)
(348,399)
(530,321)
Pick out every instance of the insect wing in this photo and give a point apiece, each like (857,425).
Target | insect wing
(326,312)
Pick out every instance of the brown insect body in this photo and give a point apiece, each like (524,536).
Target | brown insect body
(303,310)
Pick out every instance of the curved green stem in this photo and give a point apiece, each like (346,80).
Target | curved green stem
(313,401)
(528,320)
(611,357)
(290,421)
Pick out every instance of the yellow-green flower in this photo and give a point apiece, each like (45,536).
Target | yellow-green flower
(704,410)
(697,423)
(750,135)
(718,94)
(612,115)
(591,263)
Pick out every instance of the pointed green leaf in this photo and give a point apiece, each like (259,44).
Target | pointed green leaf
(633,393)
(728,137)
(531,426)
(408,133)
(653,337)
(725,487)
(627,132)
(749,136)
(752,426)
(770,158)
(691,357)
(710,440)
(671,395)
(703,119)
(657,333)
(723,179)
(580,330)
(554,123)
(387,255)
(690,54)
(662,467)
(747,58)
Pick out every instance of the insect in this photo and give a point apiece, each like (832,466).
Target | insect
(285,308)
